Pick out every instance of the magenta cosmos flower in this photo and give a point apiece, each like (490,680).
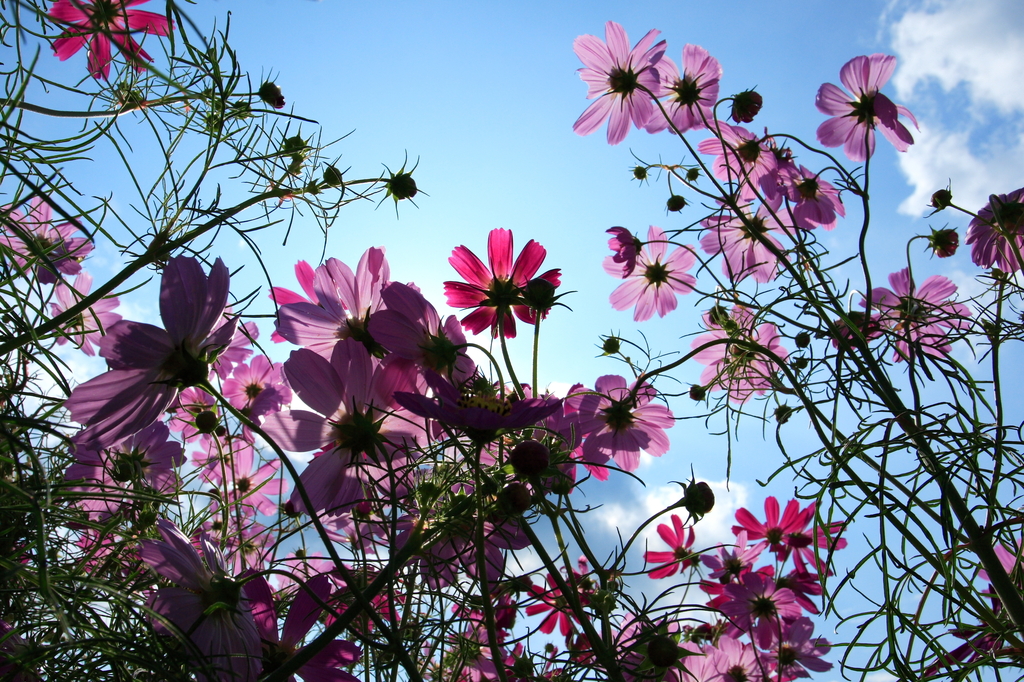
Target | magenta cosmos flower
(33,239)
(626,248)
(496,291)
(87,328)
(621,79)
(691,95)
(618,424)
(795,651)
(207,606)
(659,276)
(680,539)
(742,242)
(100,23)
(149,365)
(756,605)
(996,235)
(855,117)
(922,319)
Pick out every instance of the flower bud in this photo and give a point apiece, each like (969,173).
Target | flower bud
(206,421)
(803,339)
(663,651)
(539,294)
(693,174)
(271,94)
(745,106)
(640,173)
(698,392)
(783,413)
(529,458)
(332,178)
(401,186)
(942,198)
(611,345)
(675,203)
(516,497)
(944,242)
(699,499)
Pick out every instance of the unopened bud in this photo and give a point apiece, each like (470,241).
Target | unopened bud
(271,94)
(803,339)
(401,186)
(516,497)
(539,294)
(206,421)
(332,178)
(783,413)
(699,499)
(640,172)
(663,651)
(944,242)
(698,392)
(745,106)
(675,203)
(529,458)
(611,345)
(943,198)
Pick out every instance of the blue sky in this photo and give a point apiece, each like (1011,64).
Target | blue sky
(484,94)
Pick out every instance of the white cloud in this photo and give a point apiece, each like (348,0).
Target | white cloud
(959,63)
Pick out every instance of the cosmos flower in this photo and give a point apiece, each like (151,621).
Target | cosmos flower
(691,95)
(658,277)
(855,117)
(621,79)
(680,539)
(86,329)
(99,24)
(996,235)
(33,239)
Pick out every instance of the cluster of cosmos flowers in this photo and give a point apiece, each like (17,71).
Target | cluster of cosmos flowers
(417,449)
(769,200)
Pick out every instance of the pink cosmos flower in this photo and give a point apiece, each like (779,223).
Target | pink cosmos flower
(100,23)
(33,239)
(653,285)
(920,319)
(741,156)
(208,606)
(342,307)
(692,95)
(555,606)
(680,539)
(854,118)
(303,613)
(621,79)
(741,371)
(815,201)
(148,365)
(738,661)
(732,562)
(355,420)
(791,532)
(281,296)
(257,388)
(86,329)
(738,239)
(496,291)
(260,490)
(618,424)
(996,236)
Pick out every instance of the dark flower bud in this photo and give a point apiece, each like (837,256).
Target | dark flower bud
(640,172)
(803,339)
(561,485)
(611,345)
(675,203)
(799,363)
(719,316)
(699,498)
(529,458)
(539,294)
(745,106)
(783,413)
(332,178)
(206,421)
(943,198)
(271,94)
(146,519)
(221,431)
(663,651)
(516,497)
(693,174)
(944,242)
(698,392)
(288,509)
(401,186)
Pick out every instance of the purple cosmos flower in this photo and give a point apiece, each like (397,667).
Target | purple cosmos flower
(476,406)
(258,490)
(258,388)
(355,419)
(411,328)
(742,372)
(737,661)
(12,647)
(496,291)
(622,263)
(342,303)
(730,564)
(756,604)
(142,462)
(854,118)
(303,613)
(618,425)
(921,319)
(86,329)
(691,95)
(815,201)
(996,236)
(100,23)
(32,239)
(623,80)
(795,652)
(738,240)
(207,606)
(653,285)
(740,156)
(149,365)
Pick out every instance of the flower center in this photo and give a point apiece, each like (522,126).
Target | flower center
(762,607)
(618,415)
(687,91)
(622,81)
(359,433)
(656,273)
(787,655)
(749,151)
(808,189)
(738,674)
(864,110)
